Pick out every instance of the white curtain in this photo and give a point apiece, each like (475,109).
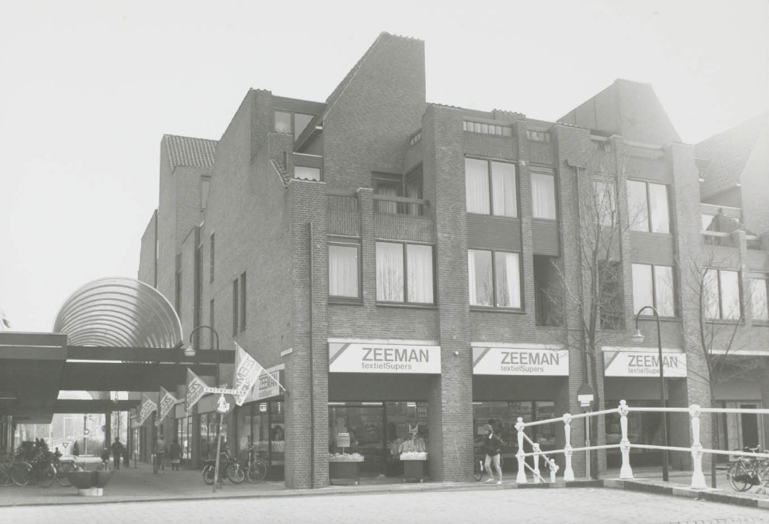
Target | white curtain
(643,292)
(343,271)
(387,190)
(419,260)
(477,185)
(638,212)
(658,204)
(480,277)
(758,296)
(503,189)
(389,272)
(508,280)
(664,291)
(730,294)
(543,195)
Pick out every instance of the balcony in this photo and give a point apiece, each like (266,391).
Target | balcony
(401,218)
(718,224)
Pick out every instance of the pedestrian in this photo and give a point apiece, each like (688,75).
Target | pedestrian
(492,445)
(117,452)
(160,454)
(175,454)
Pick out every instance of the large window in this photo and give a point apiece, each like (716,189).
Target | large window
(396,261)
(495,278)
(604,202)
(291,123)
(653,286)
(648,207)
(543,195)
(758,297)
(343,264)
(721,294)
(491,187)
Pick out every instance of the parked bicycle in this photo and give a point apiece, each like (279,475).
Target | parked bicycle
(747,472)
(256,465)
(62,468)
(228,468)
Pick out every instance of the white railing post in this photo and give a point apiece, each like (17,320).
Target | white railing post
(521,478)
(698,479)
(568,472)
(553,470)
(625,472)
(537,476)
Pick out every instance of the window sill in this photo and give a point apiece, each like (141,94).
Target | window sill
(485,309)
(761,322)
(503,217)
(725,322)
(339,301)
(662,319)
(406,305)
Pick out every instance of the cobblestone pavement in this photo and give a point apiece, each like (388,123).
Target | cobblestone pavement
(586,505)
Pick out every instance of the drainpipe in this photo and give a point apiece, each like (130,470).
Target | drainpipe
(312,376)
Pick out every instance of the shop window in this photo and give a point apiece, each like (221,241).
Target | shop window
(648,207)
(404,270)
(495,278)
(549,291)
(344,271)
(604,202)
(643,428)
(721,294)
(758,297)
(543,195)
(653,286)
(491,187)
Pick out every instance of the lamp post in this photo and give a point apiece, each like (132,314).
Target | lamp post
(639,338)
(190,352)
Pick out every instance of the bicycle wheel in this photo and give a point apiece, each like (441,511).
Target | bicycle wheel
(257,472)
(61,473)
(738,477)
(478,469)
(45,475)
(235,473)
(6,479)
(21,473)
(208,474)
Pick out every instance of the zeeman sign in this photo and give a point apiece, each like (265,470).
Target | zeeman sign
(383,358)
(643,364)
(520,361)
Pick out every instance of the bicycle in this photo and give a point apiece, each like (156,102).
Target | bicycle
(40,472)
(62,468)
(6,477)
(747,472)
(228,468)
(256,465)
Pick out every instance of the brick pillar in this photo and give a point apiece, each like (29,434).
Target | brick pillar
(765,405)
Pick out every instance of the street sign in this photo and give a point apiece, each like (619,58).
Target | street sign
(225,403)
(585,396)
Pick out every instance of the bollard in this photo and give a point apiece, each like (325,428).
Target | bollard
(625,472)
(698,479)
(521,478)
(537,477)
(568,473)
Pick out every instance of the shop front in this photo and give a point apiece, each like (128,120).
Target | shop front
(632,374)
(183,424)
(378,405)
(517,380)
(740,430)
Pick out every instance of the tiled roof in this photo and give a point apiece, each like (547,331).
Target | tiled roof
(728,153)
(191,152)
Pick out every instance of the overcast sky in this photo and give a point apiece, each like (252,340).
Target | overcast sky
(88,88)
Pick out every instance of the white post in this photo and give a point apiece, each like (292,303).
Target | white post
(568,473)
(553,470)
(537,477)
(698,479)
(521,478)
(625,472)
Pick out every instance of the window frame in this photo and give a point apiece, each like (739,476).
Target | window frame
(720,297)
(489,174)
(764,278)
(541,171)
(655,298)
(649,217)
(339,298)
(493,306)
(404,246)
(291,122)
(204,180)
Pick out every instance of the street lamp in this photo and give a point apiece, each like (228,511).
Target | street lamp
(639,338)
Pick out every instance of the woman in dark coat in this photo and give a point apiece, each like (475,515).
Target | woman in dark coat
(175,454)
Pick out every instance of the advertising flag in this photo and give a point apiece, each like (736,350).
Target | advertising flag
(147,407)
(167,402)
(196,388)
(247,370)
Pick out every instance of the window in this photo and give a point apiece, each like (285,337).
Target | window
(234,307)
(491,187)
(653,286)
(758,296)
(721,294)
(543,195)
(604,202)
(393,262)
(291,123)
(548,291)
(211,316)
(343,264)
(307,173)
(648,206)
(243,301)
(205,186)
(178,294)
(538,136)
(610,290)
(212,257)
(495,278)
(487,129)
(282,122)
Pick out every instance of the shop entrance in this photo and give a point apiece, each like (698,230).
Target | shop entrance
(749,423)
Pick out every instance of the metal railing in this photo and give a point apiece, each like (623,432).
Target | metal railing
(626,472)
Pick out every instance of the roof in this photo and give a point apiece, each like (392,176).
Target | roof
(190,152)
(728,152)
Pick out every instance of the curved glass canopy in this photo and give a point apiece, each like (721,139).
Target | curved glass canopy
(119,311)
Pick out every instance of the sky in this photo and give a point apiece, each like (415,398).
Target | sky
(88,89)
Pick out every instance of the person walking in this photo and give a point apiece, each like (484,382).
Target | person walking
(160,454)
(117,452)
(175,454)
(492,445)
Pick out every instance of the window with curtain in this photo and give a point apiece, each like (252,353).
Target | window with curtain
(491,187)
(653,286)
(648,207)
(758,296)
(404,273)
(721,294)
(494,278)
(543,195)
(343,278)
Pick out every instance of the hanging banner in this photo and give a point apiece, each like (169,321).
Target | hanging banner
(167,402)
(383,358)
(247,370)
(520,361)
(196,388)
(643,364)
(267,386)
(147,407)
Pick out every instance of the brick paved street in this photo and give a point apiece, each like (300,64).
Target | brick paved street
(483,505)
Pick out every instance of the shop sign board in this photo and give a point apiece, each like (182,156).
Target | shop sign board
(266,386)
(383,358)
(643,364)
(520,361)
(343,440)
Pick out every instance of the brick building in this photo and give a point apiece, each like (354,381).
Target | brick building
(394,263)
